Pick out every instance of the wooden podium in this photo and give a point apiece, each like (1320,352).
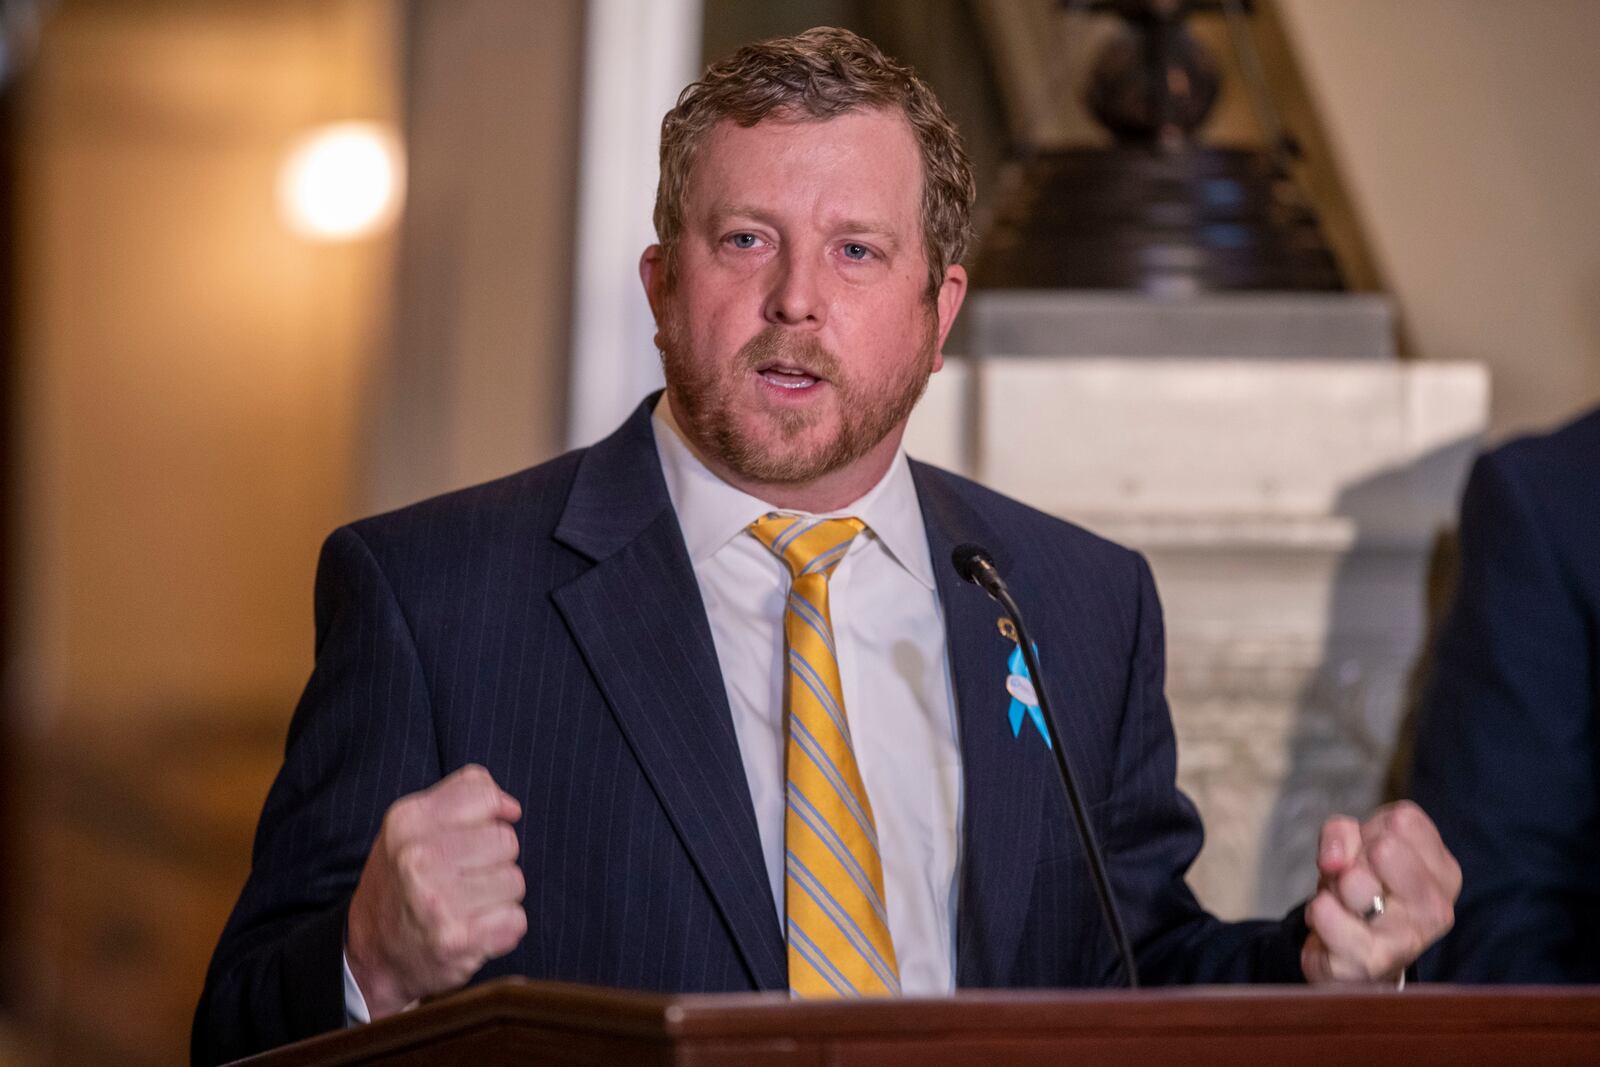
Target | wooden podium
(536,1023)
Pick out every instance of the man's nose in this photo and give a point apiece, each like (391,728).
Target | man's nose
(796,296)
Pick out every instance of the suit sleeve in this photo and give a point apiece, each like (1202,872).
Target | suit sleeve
(1505,758)
(361,737)
(1155,834)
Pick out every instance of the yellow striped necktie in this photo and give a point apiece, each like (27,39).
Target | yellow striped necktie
(835,919)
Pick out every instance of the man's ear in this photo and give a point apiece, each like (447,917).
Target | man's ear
(653,273)
(947,304)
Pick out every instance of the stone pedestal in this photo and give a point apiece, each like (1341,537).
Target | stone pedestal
(1288,505)
(1022,322)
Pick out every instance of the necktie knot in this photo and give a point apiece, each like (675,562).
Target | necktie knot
(807,545)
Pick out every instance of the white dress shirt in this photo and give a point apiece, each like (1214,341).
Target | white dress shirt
(894,668)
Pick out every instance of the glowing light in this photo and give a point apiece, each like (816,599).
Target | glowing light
(342,182)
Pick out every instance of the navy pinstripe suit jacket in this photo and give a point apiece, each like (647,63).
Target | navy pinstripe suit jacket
(548,626)
(1508,736)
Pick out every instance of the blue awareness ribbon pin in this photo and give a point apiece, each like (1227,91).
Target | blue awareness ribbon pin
(1024,698)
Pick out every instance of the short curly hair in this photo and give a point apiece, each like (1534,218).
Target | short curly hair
(819,74)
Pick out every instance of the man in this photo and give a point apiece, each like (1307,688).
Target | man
(1508,745)
(705,707)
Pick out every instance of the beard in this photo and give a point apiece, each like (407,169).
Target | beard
(706,399)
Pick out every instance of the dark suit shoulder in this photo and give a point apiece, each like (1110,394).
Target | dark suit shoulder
(1557,477)
(1579,439)
(1568,457)
(516,505)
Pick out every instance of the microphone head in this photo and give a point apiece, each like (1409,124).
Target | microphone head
(971,561)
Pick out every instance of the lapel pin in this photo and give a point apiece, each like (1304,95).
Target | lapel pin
(1019,684)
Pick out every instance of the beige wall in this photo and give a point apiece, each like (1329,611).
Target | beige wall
(1468,134)
(190,369)
(474,384)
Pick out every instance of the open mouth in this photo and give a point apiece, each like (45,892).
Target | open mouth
(788,376)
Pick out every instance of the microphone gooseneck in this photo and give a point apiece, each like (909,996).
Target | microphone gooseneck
(974,564)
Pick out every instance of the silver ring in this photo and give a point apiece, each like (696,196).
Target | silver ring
(1376,909)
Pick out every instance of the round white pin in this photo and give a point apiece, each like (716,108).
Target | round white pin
(1022,689)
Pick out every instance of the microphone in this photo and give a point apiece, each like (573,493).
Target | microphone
(975,565)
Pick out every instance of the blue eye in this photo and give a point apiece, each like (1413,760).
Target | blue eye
(743,240)
(856,251)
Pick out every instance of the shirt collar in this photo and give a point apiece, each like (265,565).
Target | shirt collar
(712,513)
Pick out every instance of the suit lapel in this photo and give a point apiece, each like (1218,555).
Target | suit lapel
(637,617)
(1003,775)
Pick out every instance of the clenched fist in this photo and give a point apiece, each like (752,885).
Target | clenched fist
(1388,890)
(441,892)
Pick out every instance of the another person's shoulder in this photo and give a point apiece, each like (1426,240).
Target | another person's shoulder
(1556,473)
(1572,451)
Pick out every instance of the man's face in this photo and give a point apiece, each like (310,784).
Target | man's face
(799,334)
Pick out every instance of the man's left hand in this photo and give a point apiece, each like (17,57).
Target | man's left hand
(1387,891)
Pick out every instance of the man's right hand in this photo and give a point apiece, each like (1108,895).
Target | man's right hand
(440,895)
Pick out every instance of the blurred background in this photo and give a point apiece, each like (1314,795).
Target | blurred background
(267,266)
